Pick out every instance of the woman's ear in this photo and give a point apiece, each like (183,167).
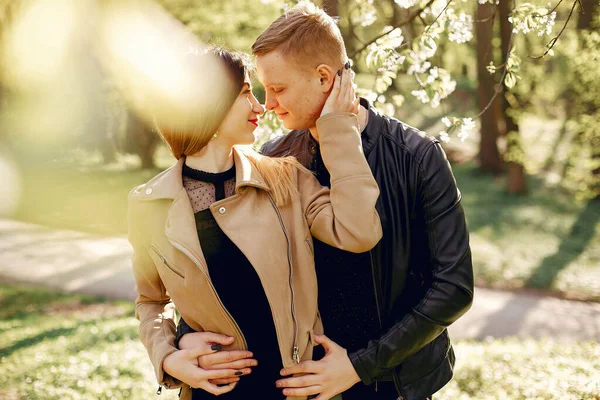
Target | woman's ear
(326,77)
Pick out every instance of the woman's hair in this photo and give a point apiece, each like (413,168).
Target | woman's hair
(219,75)
(306,34)
(190,137)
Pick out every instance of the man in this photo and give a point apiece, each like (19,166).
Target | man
(385,312)
(388,308)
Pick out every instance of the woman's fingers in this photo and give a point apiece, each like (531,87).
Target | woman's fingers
(217,390)
(223,373)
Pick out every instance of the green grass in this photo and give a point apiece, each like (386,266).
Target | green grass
(543,240)
(60,346)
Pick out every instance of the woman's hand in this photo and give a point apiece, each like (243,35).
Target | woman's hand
(342,98)
(183,365)
(239,360)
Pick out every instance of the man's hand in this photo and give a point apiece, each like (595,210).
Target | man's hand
(239,360)
(331,375)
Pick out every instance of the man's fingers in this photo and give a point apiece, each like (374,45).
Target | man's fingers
(223,357)
(306,367)
(328,344)
(224,381)
(239,364)
(217,338)
(300,381)
(302,392)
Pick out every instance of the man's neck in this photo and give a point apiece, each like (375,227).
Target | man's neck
(363,120)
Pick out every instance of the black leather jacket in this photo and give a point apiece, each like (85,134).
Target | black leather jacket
(422,267)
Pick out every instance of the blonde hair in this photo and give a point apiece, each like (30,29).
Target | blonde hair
(306,33)
(277,173)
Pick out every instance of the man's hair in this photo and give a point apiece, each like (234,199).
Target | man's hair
(307,34)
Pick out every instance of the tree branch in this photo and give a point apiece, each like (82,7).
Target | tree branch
(398,25)
(552,42)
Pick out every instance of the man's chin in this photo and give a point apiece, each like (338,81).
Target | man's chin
(288,123)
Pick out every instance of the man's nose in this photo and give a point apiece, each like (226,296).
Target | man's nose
(270,103)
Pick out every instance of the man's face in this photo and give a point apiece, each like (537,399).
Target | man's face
(293,92)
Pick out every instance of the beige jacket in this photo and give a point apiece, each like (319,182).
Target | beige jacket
(170,268)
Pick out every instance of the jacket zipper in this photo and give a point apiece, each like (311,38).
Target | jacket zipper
(375,290)
(295,349)
(189,255)
(164,261)
(376,304)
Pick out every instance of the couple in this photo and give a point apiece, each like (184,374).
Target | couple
(236,241)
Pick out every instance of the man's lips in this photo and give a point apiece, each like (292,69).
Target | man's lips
(282,115)
(253,121)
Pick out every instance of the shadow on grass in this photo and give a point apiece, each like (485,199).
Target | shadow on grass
(487,204)
(582,232)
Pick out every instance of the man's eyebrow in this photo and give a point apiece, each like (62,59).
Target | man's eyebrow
(273,84)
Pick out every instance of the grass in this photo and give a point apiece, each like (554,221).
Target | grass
(62,346)
(543,240)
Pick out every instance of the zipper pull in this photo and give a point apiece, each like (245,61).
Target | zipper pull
(296,354)
(159,390)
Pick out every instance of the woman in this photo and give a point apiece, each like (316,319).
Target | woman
(225,235)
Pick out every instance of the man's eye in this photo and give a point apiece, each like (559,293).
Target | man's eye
(278,90)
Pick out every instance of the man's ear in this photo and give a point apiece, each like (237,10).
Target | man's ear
(326,76)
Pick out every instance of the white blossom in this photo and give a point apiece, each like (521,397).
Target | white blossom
(365,14)
(421,95)
(460,28)
(444,136)
(406,3)
(466,126)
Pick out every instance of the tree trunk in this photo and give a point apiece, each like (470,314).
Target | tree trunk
(141,140)
(490,160)
(514,149)
(590,9)
(331,7)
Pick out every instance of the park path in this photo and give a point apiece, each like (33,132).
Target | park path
(99,265)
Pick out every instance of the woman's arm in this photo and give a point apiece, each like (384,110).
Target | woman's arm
(343,216)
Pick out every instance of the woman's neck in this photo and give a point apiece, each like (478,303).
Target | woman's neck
(214,157)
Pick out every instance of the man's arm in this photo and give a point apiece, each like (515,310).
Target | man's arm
(451,292)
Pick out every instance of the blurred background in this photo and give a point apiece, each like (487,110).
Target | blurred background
(511,88)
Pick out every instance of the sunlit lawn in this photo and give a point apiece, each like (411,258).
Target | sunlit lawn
(58,346)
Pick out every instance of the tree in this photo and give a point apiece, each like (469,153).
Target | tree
(490,159)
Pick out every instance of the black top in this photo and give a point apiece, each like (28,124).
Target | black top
(242,294)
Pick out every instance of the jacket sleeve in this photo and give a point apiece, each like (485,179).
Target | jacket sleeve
(451,292)
(343,216)
(153,306)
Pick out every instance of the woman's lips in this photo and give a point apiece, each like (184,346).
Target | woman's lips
(253,122)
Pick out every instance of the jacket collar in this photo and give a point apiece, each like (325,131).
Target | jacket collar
(375,125)
(169,183)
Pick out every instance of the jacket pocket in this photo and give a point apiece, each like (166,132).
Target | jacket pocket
(166,263)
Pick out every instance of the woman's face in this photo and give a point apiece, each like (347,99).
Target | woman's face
(242,119)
